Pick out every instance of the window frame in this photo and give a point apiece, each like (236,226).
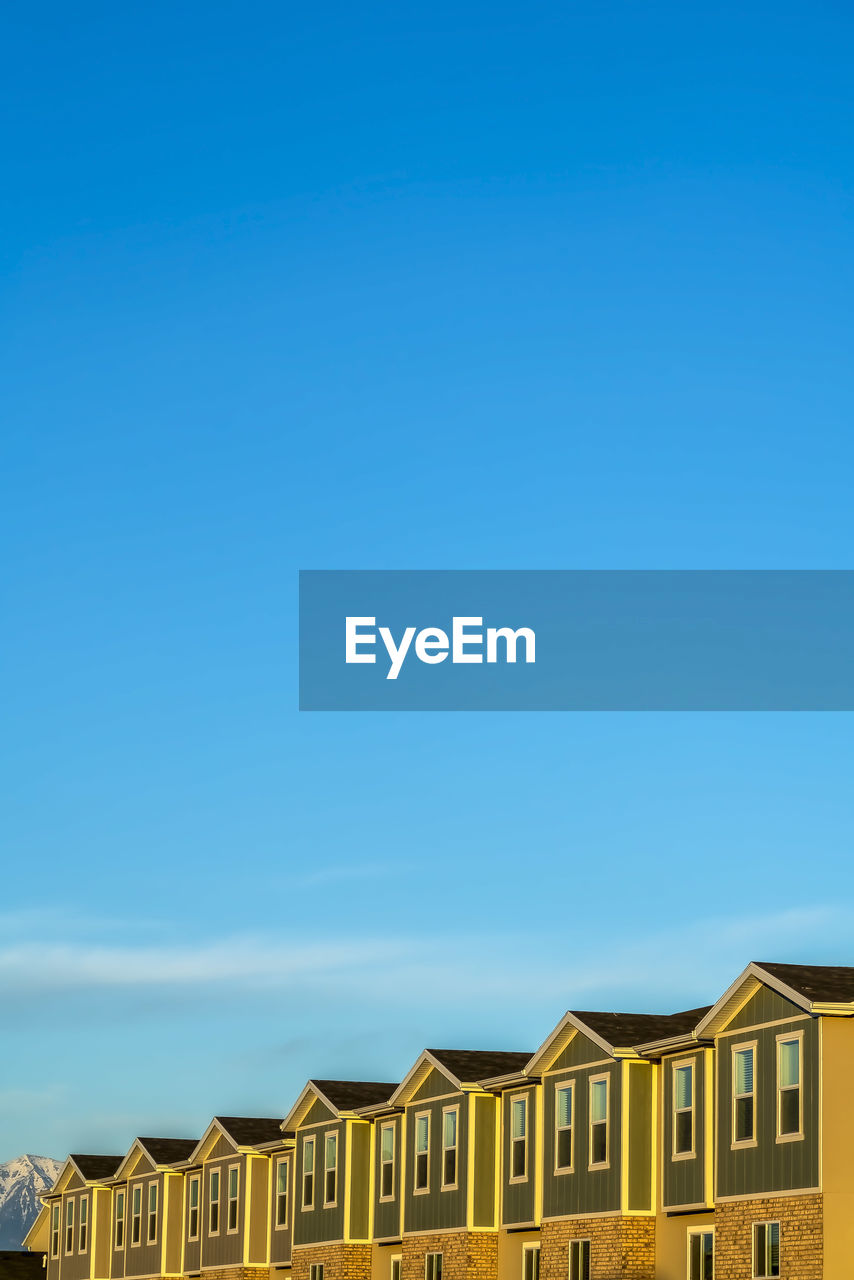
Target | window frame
(309,1141)
(151,1237)
(282,1162)
(315,1271)
(195,1179)
(419,1189)
(578,1243)
(330,1135)
(787,1037)
(765,1274)
(452,1109)
(215,1201)
(738,1144)
(119,1218)
(708,1230)
(391,1127)
(55,1229)
(69,1227)
(396,1260)
(434,1272)
(519,1177)
(679,1065)
(83,1225)
(232,1201)
(530,1248)
(136,1215)
(592,1080)
(560,1169)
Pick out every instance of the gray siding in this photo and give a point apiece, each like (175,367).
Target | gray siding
(281,1237)
(765,1005)
(435,1085)
(684,1180)
(387,1212)
(319,1224)
(435,1210)
(584,1190)
(770,1165)
(143,1259)
(74,1265)
(518,1199)
(224,1248)
(193,1248)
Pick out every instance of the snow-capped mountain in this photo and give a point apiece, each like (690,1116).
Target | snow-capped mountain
(22,1181)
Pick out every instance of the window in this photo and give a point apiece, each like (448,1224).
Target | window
(152,1212)
(789,1056)
(387,1145)
(308,1173)
(519,1138)
(233,1194)
(119,1234)
(213,1204)
(701,1255)
(54,1230)
(83,1226)
(579,1260)
(744,1093)
(422,1153)
(193,1210)
(564,1116)
(531,1262)
(315,1271)
(396,1268)
(433,1266)
(281,1194)
(69,1226)
(330,1170)
(136,1215)
(450,1120)
(766,1249)
(683,1108)
(598,1151)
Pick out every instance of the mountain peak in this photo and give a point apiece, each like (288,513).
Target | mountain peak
(23,1181)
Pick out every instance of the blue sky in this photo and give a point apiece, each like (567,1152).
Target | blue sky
(377,286)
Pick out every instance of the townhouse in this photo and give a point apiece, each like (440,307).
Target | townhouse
(717,1142)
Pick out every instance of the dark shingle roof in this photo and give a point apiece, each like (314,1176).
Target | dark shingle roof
(169,1150)
(624,1030)
(469,1065)
(18,1264)
(249,1130)
(815,981)
(97,1166)
(347,1094)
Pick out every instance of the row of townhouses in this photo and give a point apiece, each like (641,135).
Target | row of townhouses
(717,1142)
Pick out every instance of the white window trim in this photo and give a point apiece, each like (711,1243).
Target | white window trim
(55,1229)
(119,1218)
(708,1230)
(149,1238)
(531,1247)
(137,1187)
(560,1169)
(306,1206)
(692,1154)
(83,1221)
(786,1037)
(519,1097)
(425,1190)
(217,1202)
(606,1163)
(390,1125)
(450,1186)
(765,1222)
(433,1253)
(282,1161)
(197,1179)
(579,1240)
(69,1227)
(232,1200)
(738,1145)
(395,1257)
(330,1133)
(316,1271)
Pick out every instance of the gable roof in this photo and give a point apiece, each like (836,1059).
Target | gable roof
(340,1096)
(816,989)
(168,1150)
(463,1068)
(617,1034)
(95,1168)
(248,1131)
(823,984)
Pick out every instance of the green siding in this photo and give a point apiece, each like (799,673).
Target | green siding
(224,1249)
(280,1237)
(360,1178)
(318,1113)
(684,1180)
(585,1190)
(434,1085)
(640,1136)
(317,1225)
(484,1161)
(518,1198)
(435,1210)
(578,1052)
(387,1212)
(765,1005)
(770,1165)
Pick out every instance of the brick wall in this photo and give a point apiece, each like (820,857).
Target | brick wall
(340,1261)
(801,1236)
(466,1255)
(238,1273)
(621,1247)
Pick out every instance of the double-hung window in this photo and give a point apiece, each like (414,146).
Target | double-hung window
(83,1225)
(54,1230)
(213,1204)
(281,1194)
(193,1208)
(598,1142)
(450,1139)
(330,1170)
(315,1271)
(396,1267)
(422,1153)
(136,1215)
(744,1093)
(233,1198)
(579,1260)
(119,1233)
(308,1172)
(152,1212)
(531,1262)
(69,1226)
(683,1108)
(766,1249)
(433,1266)
(789,1072)
(519,1138)
(387,1153)
(564,1116)
(701,1255)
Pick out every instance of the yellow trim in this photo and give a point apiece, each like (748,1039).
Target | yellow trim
(709,1086)
(539,1102)
(624,1136)
(348,1171)
(470,1110)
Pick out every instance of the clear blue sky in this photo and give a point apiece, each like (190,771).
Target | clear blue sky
(382,286)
